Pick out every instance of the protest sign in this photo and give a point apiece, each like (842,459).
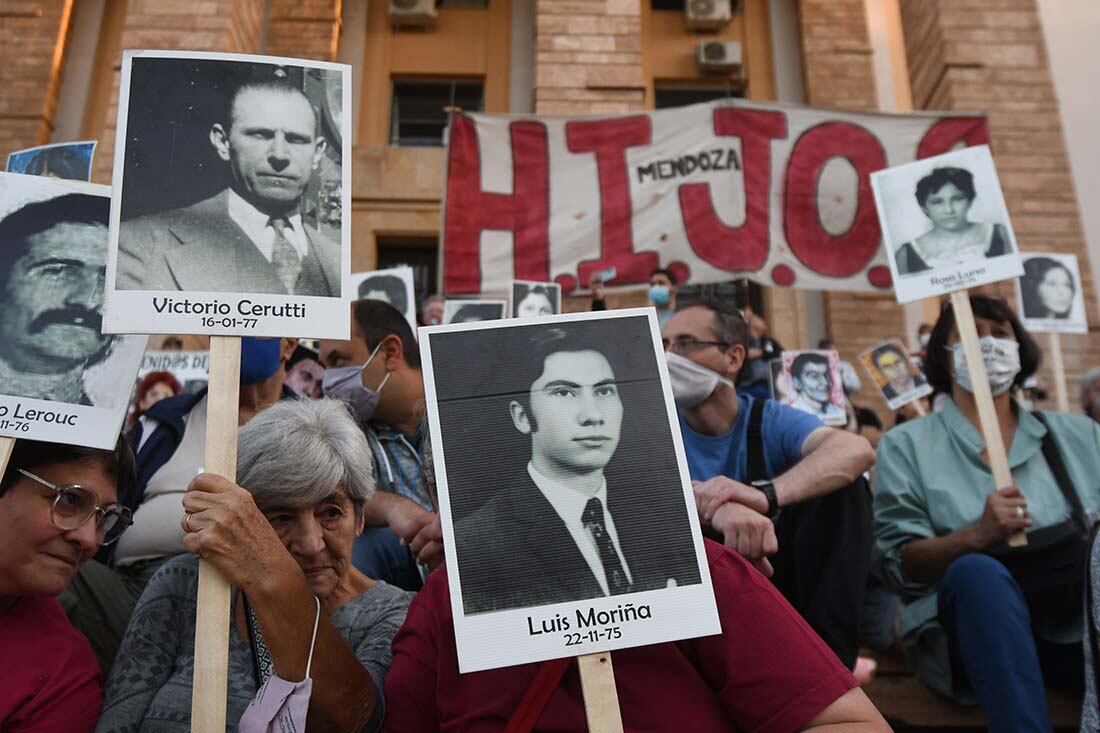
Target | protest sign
(961,249)
(70,161)
(894,373)
(469,311)
(945,224)
(191,368)
(814,385)
(531,299)
(231,179)
(61,379)
(393,286)
(574,410)
(729,189)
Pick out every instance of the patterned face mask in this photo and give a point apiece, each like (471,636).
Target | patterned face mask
(1002,364)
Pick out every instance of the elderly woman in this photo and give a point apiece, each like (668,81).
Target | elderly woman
(945,196)
(284,541)
(1047,288)
(982,622)
(57,507)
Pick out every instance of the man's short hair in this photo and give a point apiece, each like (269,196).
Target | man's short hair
(391,285)
(729,322)
(803,360)
(18,227)
(30,455)
(377,320)
(885,349)
(667,273)
(961,178)
(268,77)
(938,360)
(62,162)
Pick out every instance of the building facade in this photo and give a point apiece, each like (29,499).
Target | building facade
(1007,58)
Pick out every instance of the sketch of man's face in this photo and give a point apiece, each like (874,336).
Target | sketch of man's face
(576,413)
(947,208)
(271,146)
(52,308)
(534,304)
(814,382)
(896,371)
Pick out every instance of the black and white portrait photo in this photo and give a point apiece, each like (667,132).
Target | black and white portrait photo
(470,311)
(815,384)
(1050,294)
(531,299)
(231,177)
(393,286)
(53,259)
(70,161)
(562,478)
(895,373)
(945,223)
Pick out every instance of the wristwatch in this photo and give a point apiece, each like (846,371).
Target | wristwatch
(768,488)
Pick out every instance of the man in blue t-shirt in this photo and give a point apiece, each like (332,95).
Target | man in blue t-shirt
(780,487)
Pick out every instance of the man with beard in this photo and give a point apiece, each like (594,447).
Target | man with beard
(52,270)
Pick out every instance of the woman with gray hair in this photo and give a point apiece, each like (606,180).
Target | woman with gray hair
(283,537)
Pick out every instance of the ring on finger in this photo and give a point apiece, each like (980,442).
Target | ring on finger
(187,522)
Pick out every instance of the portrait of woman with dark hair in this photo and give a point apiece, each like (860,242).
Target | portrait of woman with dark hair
(1047,289)
(945,196)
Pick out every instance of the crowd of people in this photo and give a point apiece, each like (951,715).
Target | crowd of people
(819,543)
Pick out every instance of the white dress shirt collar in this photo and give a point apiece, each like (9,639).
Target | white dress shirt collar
(569,505)
(255,225)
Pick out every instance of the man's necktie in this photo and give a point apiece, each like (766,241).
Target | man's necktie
(593,520)
(288,265)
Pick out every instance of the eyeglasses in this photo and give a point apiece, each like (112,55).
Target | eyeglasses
(684,344)
(74,505)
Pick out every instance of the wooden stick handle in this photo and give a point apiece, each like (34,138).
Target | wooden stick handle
(208,696)
(601,700)
(983,398)
(7,445)
(918,406)
(1058,365)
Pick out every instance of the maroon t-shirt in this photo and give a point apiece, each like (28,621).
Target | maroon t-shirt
(49,678)
(767,671)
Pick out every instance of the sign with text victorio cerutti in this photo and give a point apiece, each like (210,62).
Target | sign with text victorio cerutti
(779,194)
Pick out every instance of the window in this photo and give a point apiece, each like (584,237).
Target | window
(419,253)
(418,116)
(679,96)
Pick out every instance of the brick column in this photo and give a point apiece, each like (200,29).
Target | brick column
(837,58)
(233,26)
(304,29)
(969,55)
(32,42)
(588,57)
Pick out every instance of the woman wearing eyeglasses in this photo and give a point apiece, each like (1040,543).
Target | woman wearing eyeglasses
(57,507)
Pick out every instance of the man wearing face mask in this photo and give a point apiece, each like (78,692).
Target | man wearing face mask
(754,461)
(377,373)
(975,627)
(662,294)
(169,441)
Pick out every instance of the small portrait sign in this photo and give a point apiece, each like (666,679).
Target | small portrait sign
(393,286)
(945,224)
(469,311)
(1050,295)
(814,385)
(61,378)
(581,533)
(231,179)
(530,299)
(895,373)
(70,161)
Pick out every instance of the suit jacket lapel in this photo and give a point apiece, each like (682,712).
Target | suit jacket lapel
(329,259)
(218,256)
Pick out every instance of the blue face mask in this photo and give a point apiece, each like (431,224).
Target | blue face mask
(260,358)
(659,295)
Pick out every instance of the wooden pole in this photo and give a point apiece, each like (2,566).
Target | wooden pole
(983,398)
(918,406)
(601,700)
(208,695)
(7,445)
(1059,367)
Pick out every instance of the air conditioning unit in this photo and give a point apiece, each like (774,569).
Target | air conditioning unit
(720,57)
(415,13)
(707,15)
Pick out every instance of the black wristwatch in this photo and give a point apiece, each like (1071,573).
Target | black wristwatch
(769,491)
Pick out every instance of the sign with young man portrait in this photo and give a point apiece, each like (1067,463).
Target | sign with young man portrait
(61,378)
(393,286)
(895,373)
(814,385)
(472,311)
(563,488)
(231,180)
(70,161)
(530,299)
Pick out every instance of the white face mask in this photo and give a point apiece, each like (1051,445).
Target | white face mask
(923,338)
(1002,364)
(691,383)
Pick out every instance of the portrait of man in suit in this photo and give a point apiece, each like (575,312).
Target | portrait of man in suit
(563,528)
(250,237)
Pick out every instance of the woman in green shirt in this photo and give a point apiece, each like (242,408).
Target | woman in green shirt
(966,626)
